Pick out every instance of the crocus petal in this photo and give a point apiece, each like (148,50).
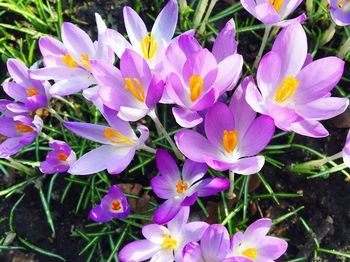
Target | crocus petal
(186,118)
(71,86)
(225,43)
(17,108)
(266,13)
(163,255)
(268,73)
(318,78)
(165,24)
(194,231)
(249,5)
(176,91)
(242,113)
(116,42)
(176,225)
(10,146)
(291,46)
(131,114)
(15,91)
(254,98)
(163,188)
(206,100)
(194,146)
(299,19)
(309,128)
(257,136)
(76,40)
(51,46)
(192,253)
(249,165)
(155,91)
(57,73)
(193,171)
(272,248)
(118,160)
(211,186)
(19,72)
(339,16)
(135,27)
(258,229)
(139,250)
(218,119)
(215,243)
(167,166)
(323,108)
(155,233)
(92,162)
(90,131)
(346,151)
(98,214)
(217,164)
(166,211)
(8,127)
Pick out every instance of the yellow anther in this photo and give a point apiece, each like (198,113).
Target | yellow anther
(137,90)
(286,89)
(62,156)
(115,137)
(169,243)
(250,252)
(230,140)
(277,4)
(196,87)
(85,61)
(22,128)
(149,46)
(32,91)
(69,61)
(181,186)
(116,206)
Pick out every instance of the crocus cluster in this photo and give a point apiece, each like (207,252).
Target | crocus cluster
(290,92)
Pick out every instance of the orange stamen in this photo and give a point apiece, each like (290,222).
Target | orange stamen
(181,186)
(230,140)
(22,128)
(116,205)
(62,156)
(32,92)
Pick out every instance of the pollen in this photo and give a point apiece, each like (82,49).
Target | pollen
(277,4)
(169,243)
(115,137)
(250,252)
(22,128)
(149,46)
(69,61)
(136,90)
(181,186)
(62,156)
(32,92)
(230,140)
(286,89)
(85,61)
(196,87)
(116,206)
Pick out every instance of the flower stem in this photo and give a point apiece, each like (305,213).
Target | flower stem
(148,149)
(344,49)
(55,114)
(152,114)
(21,167)
(230,194)
(262,47)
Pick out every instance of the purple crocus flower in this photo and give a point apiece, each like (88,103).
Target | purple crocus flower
(181,190)
(29,93)
(254,246)
(297,97)
(151,45)
(197,77)
(113,205)
(164,243)
(346,151)
(69,62)
(273,12)
(119,145)
(59,159)
(132,91)
(340,11)
(20,131)
(214,246)
(234,136)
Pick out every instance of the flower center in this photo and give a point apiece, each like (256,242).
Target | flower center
(21,128)
(32,91)
(136,90)
(62,156)
(115,137)
(277,4)
(149,46)
(196,87)
(116,206)
(344,5)
(181,186)
(286,89)
(85,61)
(69,61)
(250,252)
(169,243)
(230,140)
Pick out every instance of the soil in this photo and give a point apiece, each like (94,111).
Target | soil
(325,200)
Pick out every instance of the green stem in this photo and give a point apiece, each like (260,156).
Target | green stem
(263,45)
(230,194)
